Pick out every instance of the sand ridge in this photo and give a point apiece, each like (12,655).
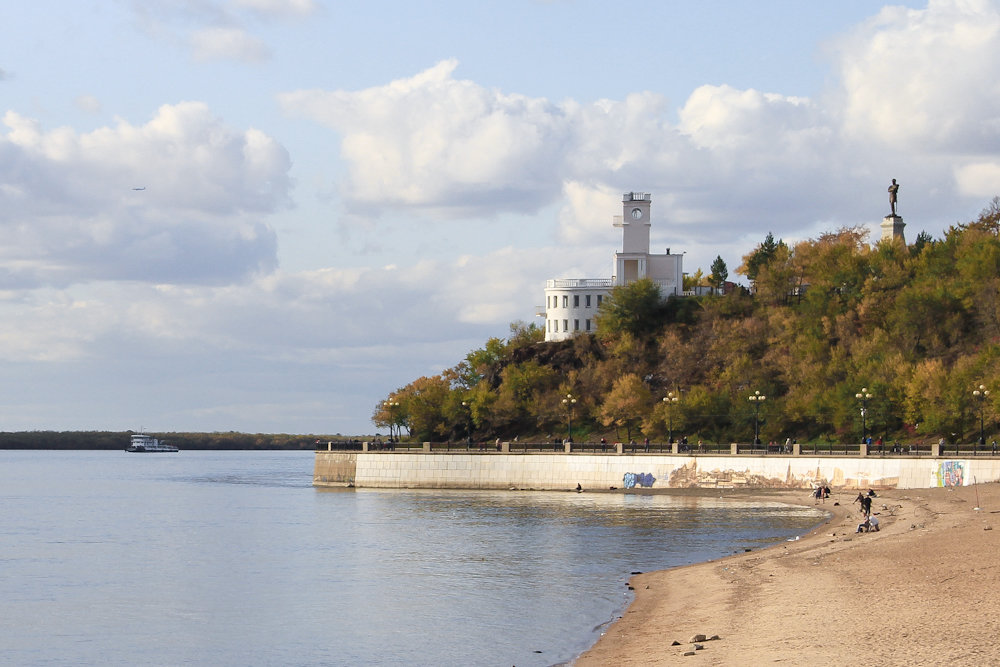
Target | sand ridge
(924,590)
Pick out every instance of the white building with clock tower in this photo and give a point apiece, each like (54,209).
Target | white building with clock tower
(571,303)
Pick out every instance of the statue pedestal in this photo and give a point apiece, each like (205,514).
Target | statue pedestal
(892,228)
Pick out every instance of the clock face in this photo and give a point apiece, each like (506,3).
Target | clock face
(636,213)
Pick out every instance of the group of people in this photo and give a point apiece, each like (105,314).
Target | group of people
(821,493)
(870,523)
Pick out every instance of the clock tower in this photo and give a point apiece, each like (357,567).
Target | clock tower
(635,222)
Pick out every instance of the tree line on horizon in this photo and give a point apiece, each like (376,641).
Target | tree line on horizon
(111,440)
(914,329)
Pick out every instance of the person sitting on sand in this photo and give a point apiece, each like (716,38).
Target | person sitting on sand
(864,526)
(873,523)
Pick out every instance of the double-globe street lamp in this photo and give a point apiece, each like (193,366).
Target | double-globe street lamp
(981,393)
(756,400)
(670,400)
(864,396)
(391,406)
(569,402)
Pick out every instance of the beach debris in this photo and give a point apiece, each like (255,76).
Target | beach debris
(697,638)
(637,572)
(675,643)
(688,652)
(987,527)
(698,647)
(714,638)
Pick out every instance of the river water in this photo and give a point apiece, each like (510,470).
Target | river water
(233,558)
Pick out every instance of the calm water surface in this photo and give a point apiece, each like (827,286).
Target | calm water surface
(232,558)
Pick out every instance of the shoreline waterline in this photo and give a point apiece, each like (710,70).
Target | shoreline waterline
(792,498)
(831,593)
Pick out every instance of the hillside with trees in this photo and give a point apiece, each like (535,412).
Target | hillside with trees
(913,328)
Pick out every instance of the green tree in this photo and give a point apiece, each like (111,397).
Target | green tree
(761,256)
(636,309)
(719,273)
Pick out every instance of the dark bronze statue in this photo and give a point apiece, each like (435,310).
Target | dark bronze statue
(893,189)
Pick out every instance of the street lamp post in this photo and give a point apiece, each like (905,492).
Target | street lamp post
(391,406)
(569,402)
(669,400)
(864,396)
(756,400)
(468,423)
(981,393)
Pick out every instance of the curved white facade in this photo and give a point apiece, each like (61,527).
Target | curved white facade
(571,303)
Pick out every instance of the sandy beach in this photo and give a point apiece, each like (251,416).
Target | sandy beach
(924,590)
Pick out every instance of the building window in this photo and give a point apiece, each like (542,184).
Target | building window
(588,325)
(576,300)
(565,301)
(599,298)
(576,325)
(587,301)
(565,325)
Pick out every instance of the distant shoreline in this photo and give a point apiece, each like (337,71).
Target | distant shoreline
(119,440)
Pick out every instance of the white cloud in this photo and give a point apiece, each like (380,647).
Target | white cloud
(924,78)
(278,7)
(227,43)
(979,180)
(69,210)
(432,141)
(88,103)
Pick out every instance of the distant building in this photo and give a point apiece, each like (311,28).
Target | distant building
(571,303)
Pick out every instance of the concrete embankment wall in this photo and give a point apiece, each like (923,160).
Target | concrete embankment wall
(602,471)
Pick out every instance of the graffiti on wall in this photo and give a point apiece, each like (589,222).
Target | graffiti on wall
(633,479)
(950,473)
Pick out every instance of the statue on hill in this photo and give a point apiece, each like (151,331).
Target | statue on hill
(893,189)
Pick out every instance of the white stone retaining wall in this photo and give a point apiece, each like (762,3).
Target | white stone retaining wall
(602,471)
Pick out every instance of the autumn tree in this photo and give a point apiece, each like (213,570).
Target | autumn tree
(627,404)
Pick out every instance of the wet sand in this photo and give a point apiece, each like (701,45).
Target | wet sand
(924,590)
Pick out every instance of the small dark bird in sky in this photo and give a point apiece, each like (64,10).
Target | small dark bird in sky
(142,188)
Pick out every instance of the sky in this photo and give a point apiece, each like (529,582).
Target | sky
(266,215)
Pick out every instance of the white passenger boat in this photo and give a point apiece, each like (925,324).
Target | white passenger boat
(147,443)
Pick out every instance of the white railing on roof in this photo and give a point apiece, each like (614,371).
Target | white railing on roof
(578,282)
(637,196)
